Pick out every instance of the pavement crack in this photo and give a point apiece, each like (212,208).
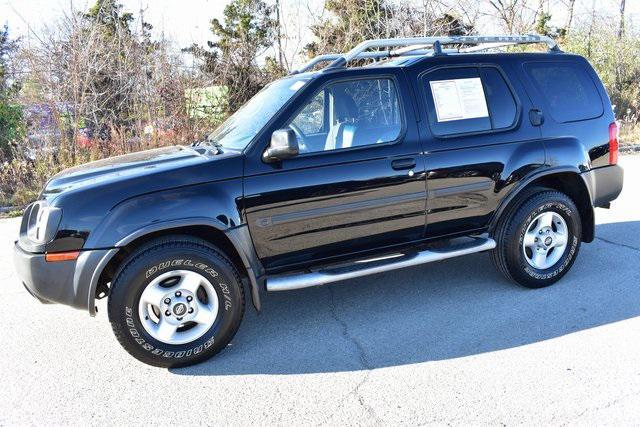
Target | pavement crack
(362,357)
(605,405)
(611,242)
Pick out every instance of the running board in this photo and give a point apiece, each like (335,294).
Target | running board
(369,266)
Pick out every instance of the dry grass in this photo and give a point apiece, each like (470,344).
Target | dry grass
(630,133)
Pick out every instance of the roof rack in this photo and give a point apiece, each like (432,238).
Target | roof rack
(417,46)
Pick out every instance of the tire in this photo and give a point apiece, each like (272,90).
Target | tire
(525,228)
(175,302)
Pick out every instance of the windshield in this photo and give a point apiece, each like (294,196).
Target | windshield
(238,130)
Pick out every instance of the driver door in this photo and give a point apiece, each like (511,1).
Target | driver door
(358,183)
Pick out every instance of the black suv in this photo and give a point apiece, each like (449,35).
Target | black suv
(422,155)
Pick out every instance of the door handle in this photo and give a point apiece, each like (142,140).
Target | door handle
(536,117)
(402,164)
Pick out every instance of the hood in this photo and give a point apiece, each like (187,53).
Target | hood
(172,177)
(142,172)
(120,167)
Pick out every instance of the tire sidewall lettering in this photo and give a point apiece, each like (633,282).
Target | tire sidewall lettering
(180,263)
(157,351)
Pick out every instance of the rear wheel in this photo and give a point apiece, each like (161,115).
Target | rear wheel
(176,302)
(538,239)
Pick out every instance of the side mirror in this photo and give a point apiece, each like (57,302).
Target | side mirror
(284,145)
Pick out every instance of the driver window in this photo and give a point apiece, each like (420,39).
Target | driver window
(349,114)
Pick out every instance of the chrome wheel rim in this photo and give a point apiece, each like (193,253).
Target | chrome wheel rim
(545,240)
(178,307)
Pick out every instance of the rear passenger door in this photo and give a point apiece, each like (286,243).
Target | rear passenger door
(478,142)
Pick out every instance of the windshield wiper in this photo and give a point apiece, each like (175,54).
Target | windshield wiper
(207,142)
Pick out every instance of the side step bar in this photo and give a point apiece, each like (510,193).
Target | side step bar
(366,267)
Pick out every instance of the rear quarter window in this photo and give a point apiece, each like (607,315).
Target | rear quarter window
(569,91)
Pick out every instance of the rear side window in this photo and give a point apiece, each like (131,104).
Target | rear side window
(568,90)
(468,100)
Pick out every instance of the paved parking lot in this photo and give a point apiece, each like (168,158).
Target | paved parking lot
(446,343)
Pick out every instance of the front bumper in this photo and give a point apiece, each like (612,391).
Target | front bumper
(71,283)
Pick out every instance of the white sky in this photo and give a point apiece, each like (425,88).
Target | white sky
(187,21)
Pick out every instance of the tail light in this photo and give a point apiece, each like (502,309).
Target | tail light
(614,132)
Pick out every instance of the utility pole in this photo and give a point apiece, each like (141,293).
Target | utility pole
(621,26)
(620,35)
(593,19)
(279,35)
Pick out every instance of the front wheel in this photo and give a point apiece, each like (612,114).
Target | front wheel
(176,302)
(539,239)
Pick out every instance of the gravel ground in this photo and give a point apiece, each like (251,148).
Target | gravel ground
(446,343)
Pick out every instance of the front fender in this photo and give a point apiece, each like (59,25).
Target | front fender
(238,236)
(213,203)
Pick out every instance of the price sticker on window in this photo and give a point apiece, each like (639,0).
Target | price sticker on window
(459,99)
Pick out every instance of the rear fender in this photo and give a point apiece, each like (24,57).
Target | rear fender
(582,196)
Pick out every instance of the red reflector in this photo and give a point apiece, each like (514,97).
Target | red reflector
(614,132)
(61,256)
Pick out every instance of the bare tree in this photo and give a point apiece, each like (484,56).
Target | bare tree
(348,22)
(108,90)
(569,21)
(515,16)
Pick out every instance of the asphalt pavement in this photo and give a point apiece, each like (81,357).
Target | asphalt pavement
(445,343)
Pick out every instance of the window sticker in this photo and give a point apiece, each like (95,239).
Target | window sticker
(459,99)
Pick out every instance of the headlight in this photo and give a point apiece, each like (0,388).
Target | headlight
(42,222)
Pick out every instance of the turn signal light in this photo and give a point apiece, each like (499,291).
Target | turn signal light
(61,256)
